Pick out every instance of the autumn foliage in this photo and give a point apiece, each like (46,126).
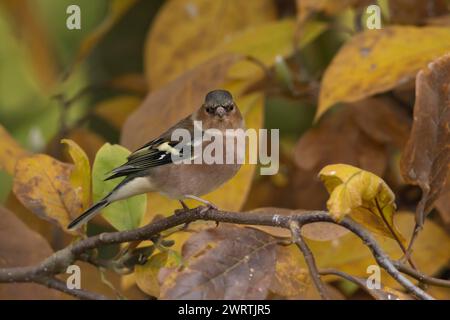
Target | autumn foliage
(364,120)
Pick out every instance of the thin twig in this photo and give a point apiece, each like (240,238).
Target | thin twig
(57,284)
(420,276)
(309,258)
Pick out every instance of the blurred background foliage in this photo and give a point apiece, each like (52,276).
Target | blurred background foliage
(137,66)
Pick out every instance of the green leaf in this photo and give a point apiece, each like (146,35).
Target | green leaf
(125,214)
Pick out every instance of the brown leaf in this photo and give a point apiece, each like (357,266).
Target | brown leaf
(415,11)
(20,246)
(165,107)
(426,158)
(43,185)
(443,203)
(341,138)
(227,262)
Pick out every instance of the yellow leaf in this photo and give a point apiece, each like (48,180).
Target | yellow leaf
(291,278)
(43,185)
(11,151)
(147,274)
(117,109)
(81,174)
(362,195)
(184,29)
(375,61)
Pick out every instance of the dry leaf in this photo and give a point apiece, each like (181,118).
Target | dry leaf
(426,158)
(375,61)
(362,195)
(43,185)
(19,247)
(227,262)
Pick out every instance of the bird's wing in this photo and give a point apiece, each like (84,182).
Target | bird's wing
(154,153)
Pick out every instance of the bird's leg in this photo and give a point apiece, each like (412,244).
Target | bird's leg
(208,204)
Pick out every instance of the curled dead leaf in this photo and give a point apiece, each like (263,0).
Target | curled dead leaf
(426,159)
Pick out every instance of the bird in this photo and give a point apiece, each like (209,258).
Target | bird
(151,168)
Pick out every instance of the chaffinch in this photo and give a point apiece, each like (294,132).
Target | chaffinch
(152,168)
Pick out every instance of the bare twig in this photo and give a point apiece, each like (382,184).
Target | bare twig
(57,284)
(420,276)
(60,260)
(309,258)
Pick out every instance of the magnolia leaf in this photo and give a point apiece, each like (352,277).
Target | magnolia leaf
(147,274)
(43,186)
(426,159)
(11,152)
(375,61)
(21,246)
(184,30)
(124,214)
(227,262)
(362,195)
(291,278)
(81,174)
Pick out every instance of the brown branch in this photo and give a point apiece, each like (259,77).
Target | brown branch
(423,278)
(358,281)
(57,284)
(309,258)
(60,260)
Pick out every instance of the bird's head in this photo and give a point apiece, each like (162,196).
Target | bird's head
(219,111)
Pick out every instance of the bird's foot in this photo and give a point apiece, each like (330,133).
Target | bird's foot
(208,205)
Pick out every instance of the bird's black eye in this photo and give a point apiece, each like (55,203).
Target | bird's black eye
(230,107)
(209,110)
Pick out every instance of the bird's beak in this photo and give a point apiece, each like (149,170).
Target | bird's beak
(220,111)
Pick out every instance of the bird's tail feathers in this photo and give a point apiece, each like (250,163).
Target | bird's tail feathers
(88,214)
